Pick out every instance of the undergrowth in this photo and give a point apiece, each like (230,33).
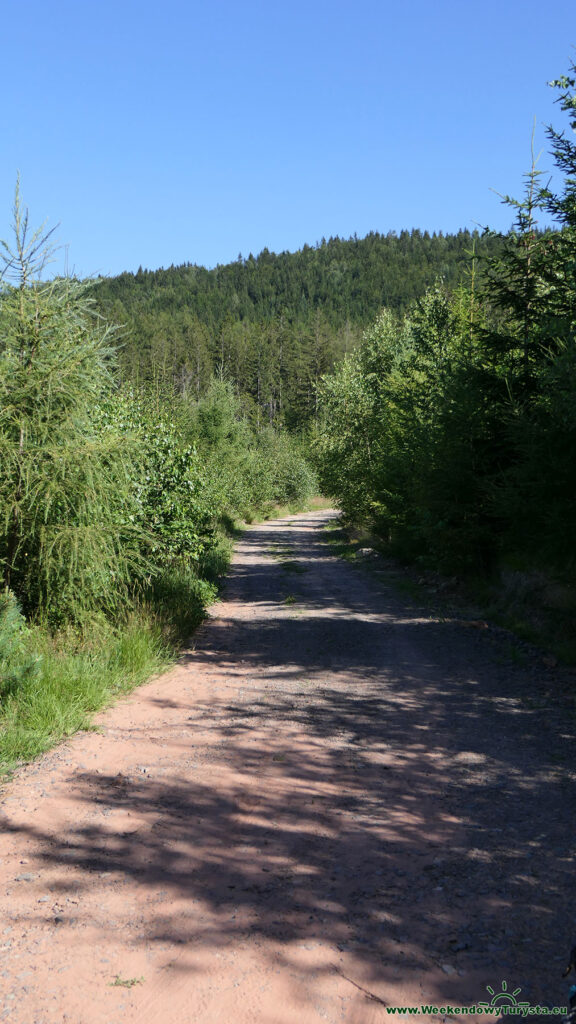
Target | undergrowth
(75,677)
(53,683)
(114,503)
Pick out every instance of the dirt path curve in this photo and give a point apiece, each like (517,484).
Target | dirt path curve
(335,799)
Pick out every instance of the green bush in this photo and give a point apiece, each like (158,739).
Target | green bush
(410,442)
(248,471)
(173,505)
(286,474)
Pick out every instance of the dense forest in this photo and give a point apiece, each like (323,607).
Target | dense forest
(273,325)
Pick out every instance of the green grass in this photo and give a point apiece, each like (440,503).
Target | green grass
(286,562)
(215,562)
(75,678)
(120,982)
(77,673)
(280,553)
(342,543)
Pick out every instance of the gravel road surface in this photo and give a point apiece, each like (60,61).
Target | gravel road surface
(337,802)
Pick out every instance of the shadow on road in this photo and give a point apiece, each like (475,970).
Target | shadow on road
(373,779)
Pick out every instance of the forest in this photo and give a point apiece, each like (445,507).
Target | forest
(424,383)
(273,325)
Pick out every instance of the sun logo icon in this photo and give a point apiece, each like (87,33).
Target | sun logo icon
(503,998)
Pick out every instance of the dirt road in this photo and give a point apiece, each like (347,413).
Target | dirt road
(336,803)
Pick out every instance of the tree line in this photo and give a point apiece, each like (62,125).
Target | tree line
(273,325)
(452,428)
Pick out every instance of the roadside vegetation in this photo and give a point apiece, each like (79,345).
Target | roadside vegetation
(117,504)
(450,432)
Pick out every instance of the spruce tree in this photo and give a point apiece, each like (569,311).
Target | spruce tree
(65,535)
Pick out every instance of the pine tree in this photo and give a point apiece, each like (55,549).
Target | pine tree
(64,479)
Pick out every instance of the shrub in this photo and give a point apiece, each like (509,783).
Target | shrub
(17,662)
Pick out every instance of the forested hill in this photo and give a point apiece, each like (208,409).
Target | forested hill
(272,325)
(348,279)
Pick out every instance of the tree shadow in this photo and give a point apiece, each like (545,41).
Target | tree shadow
(372,779)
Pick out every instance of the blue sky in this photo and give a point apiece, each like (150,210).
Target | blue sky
(160,133)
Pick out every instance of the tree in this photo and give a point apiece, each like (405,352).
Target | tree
(66,542)
(538,371)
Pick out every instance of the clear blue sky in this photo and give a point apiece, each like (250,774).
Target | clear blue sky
(174,131)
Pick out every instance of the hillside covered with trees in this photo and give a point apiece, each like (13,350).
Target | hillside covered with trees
(272,325)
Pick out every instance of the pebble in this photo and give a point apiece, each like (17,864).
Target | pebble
(448,969)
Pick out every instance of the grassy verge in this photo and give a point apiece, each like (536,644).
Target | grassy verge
(347,541)
(535,605)
(71,675)
(75,677)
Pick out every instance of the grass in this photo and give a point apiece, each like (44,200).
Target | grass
(283,557)
(346,543)
(280,553)
(120,982)
(214,564)
(75,678)
(76,673)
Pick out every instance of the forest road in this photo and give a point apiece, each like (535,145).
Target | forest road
(337,803)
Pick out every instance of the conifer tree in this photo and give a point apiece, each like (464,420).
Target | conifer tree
(64,479)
